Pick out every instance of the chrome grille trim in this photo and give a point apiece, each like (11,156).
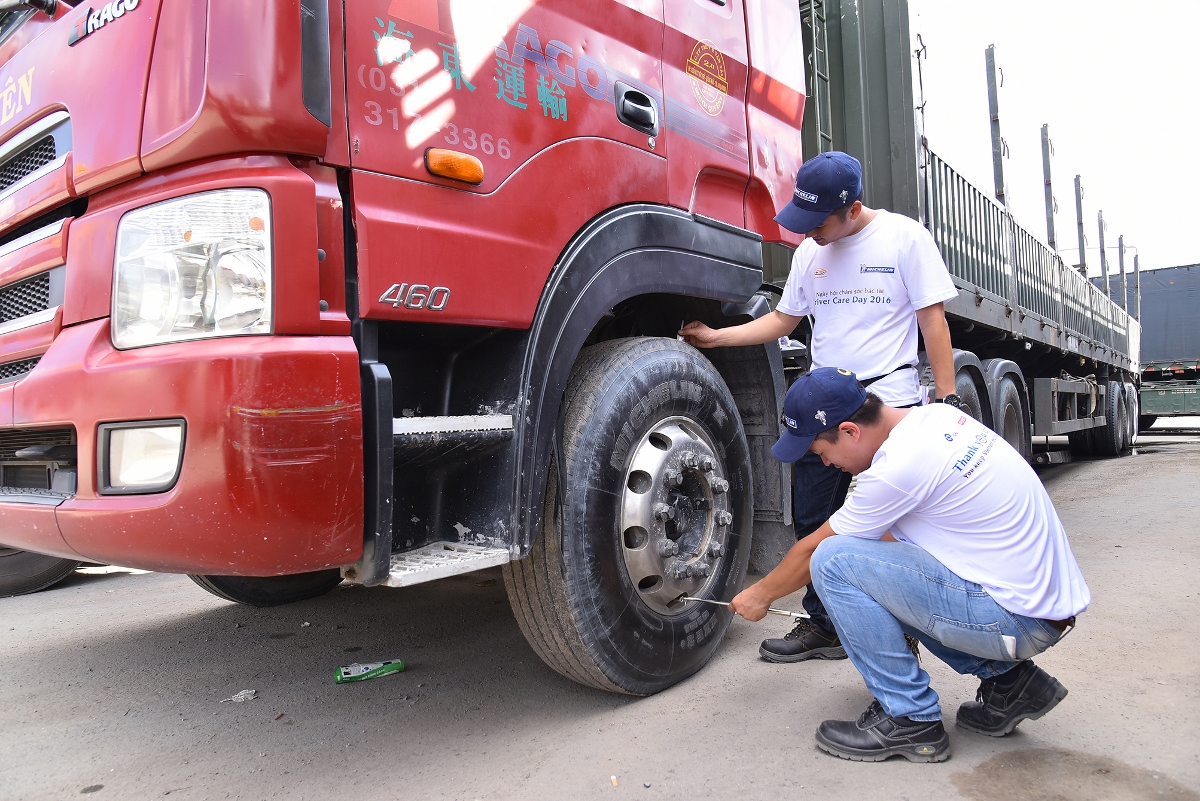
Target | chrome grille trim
(32,237)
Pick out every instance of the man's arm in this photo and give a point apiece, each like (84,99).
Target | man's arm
(756,332)
(932,320)
(788,576)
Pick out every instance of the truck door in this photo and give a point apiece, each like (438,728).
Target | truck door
(526,87)
(704,75)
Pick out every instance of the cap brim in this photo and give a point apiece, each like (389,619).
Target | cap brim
(790,447)
(798,220)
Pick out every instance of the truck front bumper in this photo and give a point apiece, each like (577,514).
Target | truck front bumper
(270,481)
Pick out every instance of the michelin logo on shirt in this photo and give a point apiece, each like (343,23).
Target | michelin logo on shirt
(862,268)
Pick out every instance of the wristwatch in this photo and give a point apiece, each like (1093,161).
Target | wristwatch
(950,400)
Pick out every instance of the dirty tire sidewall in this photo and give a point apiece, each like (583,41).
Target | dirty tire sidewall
(968,394)
(1010,404)
(637,383)
(271,590)
(22,572)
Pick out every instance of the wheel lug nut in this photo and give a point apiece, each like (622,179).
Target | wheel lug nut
(707,463)
(681,572)
(698,570)
(672,479)
(724,518)
(668,548)
(715,549)
(689,460)
(719,485)
(664,512)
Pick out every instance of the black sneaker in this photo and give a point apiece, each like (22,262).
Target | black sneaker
(1001,703)
(806,641)
(876,736)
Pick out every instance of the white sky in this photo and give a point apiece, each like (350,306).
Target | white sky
(1117,84)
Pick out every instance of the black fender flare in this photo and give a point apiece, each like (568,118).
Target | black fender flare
(625,252)
(966,360)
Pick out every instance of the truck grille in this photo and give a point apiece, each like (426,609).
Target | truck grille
(29,160)
(14,370)
(25,297)
(14,439)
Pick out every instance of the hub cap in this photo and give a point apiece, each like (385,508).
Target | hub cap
(675,515)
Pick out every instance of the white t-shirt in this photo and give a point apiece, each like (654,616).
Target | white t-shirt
(945,483)
(863,292)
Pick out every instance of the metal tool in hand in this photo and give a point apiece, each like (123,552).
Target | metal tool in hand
(771,609)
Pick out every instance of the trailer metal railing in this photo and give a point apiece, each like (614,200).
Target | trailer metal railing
(999,261)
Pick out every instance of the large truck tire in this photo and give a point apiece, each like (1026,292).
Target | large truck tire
(1146,420)
(968,395)
(652,501)
(1011,417)
(23,572)
(271,590)
(1110,438)
(1131,415)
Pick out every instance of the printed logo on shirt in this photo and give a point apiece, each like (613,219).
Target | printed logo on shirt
(862,268)
(819,272)
(820,415)
(807,197)
(962,421)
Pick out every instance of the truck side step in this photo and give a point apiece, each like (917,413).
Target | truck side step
(425,441)
(441,559)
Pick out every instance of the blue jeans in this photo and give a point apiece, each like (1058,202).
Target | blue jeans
(876,592)
(817,492)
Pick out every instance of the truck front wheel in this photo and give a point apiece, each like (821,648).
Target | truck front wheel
(652,502)
(23,572)
(270,590)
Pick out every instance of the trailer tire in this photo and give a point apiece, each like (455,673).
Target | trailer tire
(968,395)
(1110,437)
(1146,420)
(631,405)
(1011,418)
(1131,416)
(23,572)
(270,590)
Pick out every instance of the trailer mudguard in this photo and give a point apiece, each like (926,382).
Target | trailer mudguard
(965,360)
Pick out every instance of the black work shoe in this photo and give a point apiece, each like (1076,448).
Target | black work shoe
(1001,703)
(806,641)
(875,736)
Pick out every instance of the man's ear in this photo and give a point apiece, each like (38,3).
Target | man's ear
(856,209)
(851,430)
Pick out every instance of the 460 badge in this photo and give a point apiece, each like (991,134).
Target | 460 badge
(416,296)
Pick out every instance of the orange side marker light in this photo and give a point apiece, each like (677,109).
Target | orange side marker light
(454,165)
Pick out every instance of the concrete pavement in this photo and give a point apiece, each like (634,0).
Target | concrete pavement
(112,685)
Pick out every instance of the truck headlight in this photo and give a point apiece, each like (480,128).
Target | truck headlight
(193,267)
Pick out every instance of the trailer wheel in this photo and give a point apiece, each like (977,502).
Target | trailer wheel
(968,395)
(1146,420)
(1110,438)
(23,572)
(1011,417)
(270,590)
(652,501)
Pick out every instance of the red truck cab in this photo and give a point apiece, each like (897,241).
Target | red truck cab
(297,290)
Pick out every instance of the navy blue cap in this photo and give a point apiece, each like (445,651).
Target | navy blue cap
(824,184)
(820,399)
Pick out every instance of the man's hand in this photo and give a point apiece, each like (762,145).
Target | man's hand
(751,604)
(699,335)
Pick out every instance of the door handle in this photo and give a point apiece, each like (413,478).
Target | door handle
(635,109)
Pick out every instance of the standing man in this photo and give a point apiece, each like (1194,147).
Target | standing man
(950,538)
(869,278)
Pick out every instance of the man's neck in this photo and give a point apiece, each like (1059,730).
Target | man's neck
(864,219)
(889,418)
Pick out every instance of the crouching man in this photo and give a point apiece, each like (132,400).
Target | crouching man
(950,538)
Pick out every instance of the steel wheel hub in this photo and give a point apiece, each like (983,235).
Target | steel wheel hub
(674,515)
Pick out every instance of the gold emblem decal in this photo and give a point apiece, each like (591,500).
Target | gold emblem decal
(710,82)
(844,371)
